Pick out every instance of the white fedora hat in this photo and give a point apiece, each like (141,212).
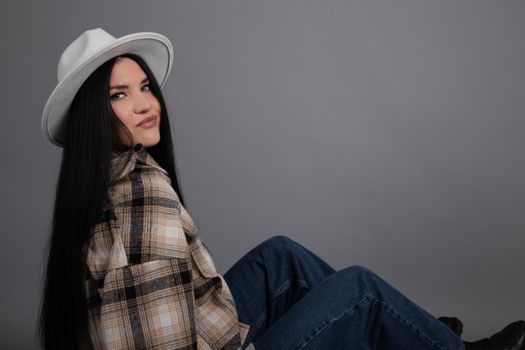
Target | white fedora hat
(84,55)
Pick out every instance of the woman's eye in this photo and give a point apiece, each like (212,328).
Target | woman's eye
(146,88)
(116,96)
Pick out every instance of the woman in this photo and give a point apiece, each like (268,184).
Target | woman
(126,267)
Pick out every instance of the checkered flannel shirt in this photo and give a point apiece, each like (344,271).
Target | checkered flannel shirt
(151,283)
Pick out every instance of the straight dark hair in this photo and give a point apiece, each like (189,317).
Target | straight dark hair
(82,190)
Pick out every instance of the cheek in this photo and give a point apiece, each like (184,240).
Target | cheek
(121,114)
(155,103)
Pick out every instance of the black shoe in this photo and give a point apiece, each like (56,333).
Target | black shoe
(453,323)
(511,337)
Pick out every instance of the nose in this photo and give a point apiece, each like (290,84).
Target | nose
(142,104)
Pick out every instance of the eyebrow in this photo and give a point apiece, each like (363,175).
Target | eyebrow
(122,87)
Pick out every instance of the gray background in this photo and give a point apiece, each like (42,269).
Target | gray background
(376,132)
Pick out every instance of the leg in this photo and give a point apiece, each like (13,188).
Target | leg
(272,277)
(356,309)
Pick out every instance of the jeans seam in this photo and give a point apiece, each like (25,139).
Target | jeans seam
(335,318)
(282,288)
(286,285)
(364,299)
(418,331)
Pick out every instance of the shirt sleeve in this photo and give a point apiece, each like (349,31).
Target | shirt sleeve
(142,262)
(148,306)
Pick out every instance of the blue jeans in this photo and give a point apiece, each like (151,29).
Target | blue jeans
(294,300)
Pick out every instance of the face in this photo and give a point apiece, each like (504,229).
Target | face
(134,103)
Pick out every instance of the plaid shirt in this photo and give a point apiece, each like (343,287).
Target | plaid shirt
(152,284)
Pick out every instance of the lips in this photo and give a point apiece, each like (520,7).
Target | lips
(148,122)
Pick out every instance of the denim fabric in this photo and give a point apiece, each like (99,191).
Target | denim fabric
(294,300)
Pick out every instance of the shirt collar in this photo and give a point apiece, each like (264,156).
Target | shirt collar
(124,163)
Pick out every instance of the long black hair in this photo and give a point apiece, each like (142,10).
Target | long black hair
(82,190)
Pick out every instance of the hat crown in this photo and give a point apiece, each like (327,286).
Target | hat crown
(79,50)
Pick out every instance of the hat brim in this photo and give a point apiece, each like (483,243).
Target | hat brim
(155,49)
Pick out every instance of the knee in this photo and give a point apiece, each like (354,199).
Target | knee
(359,269)
(279,243)
(354,284)
(361,276)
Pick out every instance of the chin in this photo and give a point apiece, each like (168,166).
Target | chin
(150,143)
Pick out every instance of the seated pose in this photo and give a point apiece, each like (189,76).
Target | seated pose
(127,268)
